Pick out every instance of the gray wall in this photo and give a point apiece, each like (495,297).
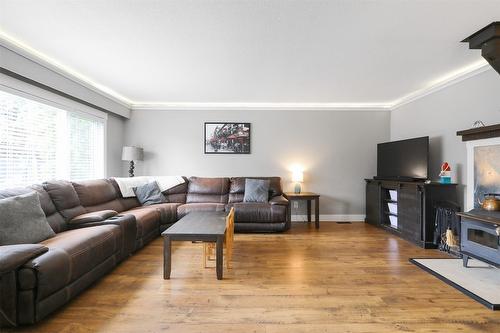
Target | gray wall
(336,148)
(114,143)
(441,114)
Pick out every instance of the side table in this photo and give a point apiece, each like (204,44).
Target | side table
(305,196)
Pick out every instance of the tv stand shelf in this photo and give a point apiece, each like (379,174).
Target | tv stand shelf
(411,210)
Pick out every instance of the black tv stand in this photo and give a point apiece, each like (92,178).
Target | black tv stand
(407,208)
(400,179)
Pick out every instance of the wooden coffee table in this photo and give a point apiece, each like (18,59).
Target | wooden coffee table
(196,226)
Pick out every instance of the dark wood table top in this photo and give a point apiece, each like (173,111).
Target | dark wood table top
(199,223)
(482,215)
(301,195)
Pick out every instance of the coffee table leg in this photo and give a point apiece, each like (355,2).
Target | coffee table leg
(316,212)
(219,256)
(167,257)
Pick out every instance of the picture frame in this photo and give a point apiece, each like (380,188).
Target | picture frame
(475,189)
(227,138)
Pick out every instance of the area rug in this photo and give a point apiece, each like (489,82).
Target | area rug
(479,281)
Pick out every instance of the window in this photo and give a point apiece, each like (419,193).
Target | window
(39,142)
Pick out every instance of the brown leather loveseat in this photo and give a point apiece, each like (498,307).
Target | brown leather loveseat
(96,228)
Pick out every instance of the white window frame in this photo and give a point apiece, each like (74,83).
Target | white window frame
(23,89)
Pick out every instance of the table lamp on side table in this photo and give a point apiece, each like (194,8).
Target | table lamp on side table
(130,153)
(297,177)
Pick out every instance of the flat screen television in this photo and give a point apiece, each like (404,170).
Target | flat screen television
(403,160)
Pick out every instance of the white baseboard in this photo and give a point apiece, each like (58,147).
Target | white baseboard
(331,218)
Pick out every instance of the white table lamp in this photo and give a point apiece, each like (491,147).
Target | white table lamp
(297,177)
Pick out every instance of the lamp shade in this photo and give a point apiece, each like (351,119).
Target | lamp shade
(298,176)
(130,153)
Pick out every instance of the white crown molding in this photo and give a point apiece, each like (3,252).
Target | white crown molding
(443,82)
(262,106)
(30,53)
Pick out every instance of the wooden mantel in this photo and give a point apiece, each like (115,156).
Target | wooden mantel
(478,133)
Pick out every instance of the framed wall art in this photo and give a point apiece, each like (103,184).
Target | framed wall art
(227,138)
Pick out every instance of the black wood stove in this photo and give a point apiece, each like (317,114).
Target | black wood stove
(480,236)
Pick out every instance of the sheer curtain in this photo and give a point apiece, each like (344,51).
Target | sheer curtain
(40,142)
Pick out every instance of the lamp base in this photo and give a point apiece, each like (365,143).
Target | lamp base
(297,188)
(131,169)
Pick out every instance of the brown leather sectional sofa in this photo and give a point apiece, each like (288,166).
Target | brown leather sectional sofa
(96,228)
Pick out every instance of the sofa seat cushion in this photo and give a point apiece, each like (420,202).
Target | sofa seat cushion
(147,219)
(168,212)
(183,210)
(72,254)
(258,212)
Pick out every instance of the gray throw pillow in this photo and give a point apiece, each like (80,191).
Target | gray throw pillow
(256,190)
(22,220)
(149,194)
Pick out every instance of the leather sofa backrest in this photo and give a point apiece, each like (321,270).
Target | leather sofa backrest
(65,198)
(101,194)
(127,203)
(177,194)
(207,190)
(237,188)
(54,218)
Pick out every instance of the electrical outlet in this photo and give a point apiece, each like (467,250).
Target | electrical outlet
(295,204)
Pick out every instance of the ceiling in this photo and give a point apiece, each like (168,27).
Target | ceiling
(214,51)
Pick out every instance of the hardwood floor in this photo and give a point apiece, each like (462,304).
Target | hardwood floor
(340,278)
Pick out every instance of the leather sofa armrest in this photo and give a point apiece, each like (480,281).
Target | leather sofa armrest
(93,217)
(279,200)
(127,224)
(14,256)
(11,258)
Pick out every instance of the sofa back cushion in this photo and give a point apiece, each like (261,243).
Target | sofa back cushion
(99,194)
(237,188)
(177,194)
(54,218)
(125,203)
(95,192)
(23,221)
(209,190)
(65,198)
